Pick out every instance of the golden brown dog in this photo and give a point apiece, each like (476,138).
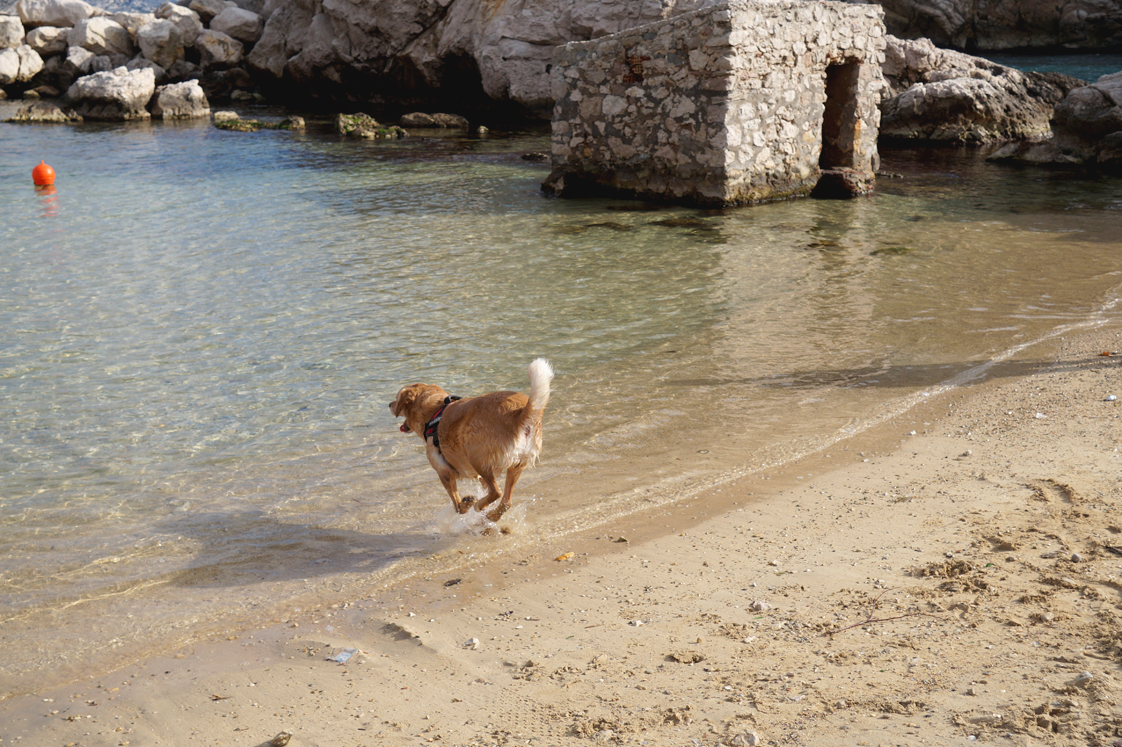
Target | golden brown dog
(478,436)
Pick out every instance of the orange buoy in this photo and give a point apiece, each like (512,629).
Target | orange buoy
(43,175)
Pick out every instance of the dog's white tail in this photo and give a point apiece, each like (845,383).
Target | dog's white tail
(541,374)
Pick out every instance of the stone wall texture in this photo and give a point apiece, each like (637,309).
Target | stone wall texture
(722,106)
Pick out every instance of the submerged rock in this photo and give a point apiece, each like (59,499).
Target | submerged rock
(42,111)
(365,127)
(231,122)
(436,121)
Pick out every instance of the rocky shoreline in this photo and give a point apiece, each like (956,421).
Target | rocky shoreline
(73,61)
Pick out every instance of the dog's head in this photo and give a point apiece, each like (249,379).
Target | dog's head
(410,404)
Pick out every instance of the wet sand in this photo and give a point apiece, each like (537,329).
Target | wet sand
(952,575)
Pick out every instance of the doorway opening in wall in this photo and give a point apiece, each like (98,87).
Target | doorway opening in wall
(839,120)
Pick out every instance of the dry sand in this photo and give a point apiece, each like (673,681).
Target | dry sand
(963,584)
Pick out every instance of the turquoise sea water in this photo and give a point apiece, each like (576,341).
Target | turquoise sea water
(201,332)
(1085,66)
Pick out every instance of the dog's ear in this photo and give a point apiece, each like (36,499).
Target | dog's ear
(404,400)
(398,404)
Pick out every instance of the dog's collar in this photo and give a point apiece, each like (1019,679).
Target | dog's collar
(431,426)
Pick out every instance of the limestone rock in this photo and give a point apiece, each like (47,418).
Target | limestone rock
(19,65)
(118,94)
(240,24)
(48,40)
(11,32)
(141,62)
(943,95)
(161,42)
(1087,129)
(421,120)
(133,22)
(101,35)
(253,6)
(208,9)
(182,70)
(180,101)
(461,50)
(185,19)
(62,13)
(217,49)
(78,59)
(42,111)
(1006,24)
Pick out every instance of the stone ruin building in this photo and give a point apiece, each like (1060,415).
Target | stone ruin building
(741,102)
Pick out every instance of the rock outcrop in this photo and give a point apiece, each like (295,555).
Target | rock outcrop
(459,52)
(942,95)
(477,51)
(53,45)
(1087,131)
(1007,24)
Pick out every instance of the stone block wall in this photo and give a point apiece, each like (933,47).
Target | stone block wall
(737,103)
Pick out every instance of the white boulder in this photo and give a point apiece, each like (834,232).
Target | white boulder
(101,36)
(243,25)
(218,50)
(185,19)
(161,42)
(64,13)
(11,32)
(118,94)
(48,40)
(19,65)
(180,101)
(133,22)
(208,9)
(79,59)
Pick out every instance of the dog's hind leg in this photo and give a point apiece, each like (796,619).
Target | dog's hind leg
(488,481)
(512,476)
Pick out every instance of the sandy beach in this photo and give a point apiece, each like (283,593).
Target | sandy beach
(952,576)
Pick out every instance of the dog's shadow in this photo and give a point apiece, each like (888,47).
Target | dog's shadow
(245,548)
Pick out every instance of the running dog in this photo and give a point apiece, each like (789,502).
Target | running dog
(478,437)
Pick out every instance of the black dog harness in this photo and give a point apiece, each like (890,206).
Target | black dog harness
(430,427)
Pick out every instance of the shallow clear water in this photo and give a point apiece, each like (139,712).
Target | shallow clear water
(202,331)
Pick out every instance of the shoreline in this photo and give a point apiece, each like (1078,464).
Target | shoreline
(964,571)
